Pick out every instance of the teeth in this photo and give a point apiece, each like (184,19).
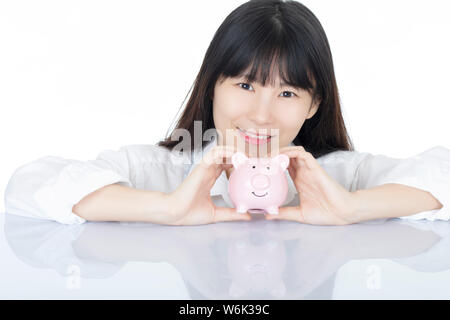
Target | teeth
(254,135)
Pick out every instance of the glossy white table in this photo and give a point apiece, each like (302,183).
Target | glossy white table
(391,259)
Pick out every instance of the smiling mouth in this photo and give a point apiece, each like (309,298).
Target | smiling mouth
(258,195)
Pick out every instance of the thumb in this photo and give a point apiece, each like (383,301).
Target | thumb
(229,214)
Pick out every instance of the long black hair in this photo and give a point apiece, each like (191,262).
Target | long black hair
(254,36)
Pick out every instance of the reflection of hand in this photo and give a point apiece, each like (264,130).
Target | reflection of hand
(191,201)
(202,253)
(319,252)
(192,250)
(391,239)
(323,201)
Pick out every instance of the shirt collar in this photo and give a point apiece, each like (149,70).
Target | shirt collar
(221,185)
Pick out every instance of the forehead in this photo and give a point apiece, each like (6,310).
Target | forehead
(272,75)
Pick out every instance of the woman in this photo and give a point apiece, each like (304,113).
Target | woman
(268,71)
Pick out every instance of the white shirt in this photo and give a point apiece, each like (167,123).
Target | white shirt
(48,187)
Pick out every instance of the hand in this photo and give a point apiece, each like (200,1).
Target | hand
(191,201)
(323,201)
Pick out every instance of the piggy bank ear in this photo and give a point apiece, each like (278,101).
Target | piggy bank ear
(238,159)
(282,161)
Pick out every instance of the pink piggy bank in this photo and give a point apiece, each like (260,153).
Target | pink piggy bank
(258,184)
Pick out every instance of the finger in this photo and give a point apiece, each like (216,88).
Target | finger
(303,157)
(295,161)
(290,148)
(230,214)
(227,166)
(218,155)
(287,213)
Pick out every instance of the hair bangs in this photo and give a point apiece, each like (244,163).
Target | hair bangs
(272,58)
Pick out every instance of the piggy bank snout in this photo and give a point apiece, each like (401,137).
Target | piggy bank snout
(260,181)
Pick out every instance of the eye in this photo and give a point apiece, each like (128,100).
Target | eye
(268,168)
(254,167)
(244,84)
(292,94)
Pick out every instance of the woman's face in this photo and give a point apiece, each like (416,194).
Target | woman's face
(278,111)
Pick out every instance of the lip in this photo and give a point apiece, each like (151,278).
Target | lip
(253,140)
(255,134)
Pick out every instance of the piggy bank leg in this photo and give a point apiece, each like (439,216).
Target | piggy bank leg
(241,209)
(272,210)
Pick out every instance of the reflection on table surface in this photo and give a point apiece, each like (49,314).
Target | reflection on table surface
(238,260)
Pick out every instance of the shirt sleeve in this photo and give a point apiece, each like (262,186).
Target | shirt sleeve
(49,187)
(429,171)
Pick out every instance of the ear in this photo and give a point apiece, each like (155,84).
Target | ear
(282,161)
(238,159)
(313,109)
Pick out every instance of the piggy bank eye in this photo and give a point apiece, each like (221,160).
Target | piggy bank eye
(268,168)
(254,167)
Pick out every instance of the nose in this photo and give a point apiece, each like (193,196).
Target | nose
(261,113)
(260,181)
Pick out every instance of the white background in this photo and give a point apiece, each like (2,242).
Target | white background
(78,77)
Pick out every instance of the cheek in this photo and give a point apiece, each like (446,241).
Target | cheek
(291,119)
(228,112)
(227,107)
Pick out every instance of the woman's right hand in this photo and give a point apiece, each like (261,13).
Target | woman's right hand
(191,203)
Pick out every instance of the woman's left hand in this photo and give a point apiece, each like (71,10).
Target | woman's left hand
(323,201)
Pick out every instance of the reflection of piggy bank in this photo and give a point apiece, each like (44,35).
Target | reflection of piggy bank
(257,269)
(258,184)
